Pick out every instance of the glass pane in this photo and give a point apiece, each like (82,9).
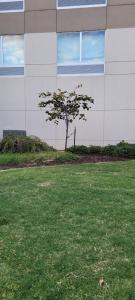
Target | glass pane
(66,3)
(93,44)
(1,55)
(69,48)
(13,50)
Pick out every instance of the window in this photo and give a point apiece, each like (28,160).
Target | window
(81,52)
(11,55)
(11,5)
(79,3)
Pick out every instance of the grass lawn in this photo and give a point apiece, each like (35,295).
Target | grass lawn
(63,228)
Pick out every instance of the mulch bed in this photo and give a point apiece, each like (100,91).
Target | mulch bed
(80,160)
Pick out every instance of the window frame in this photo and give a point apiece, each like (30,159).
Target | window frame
(82,63)
(81,6)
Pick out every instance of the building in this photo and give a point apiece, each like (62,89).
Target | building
(46,45)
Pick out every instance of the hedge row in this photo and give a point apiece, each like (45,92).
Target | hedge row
(19,144)
(122,149)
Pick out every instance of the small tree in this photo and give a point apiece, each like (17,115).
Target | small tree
(66,106)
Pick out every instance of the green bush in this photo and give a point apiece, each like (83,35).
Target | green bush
(78,149)
(122,149)
(19,144)
(109,150)
(85,150)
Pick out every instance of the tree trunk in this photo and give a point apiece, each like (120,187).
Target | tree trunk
(67,128)
(75,137)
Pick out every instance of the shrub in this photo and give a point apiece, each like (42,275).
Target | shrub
(110,150)
(78,149)
(126,150)
(95,149)
(122,149)
(85,150)
(19,144)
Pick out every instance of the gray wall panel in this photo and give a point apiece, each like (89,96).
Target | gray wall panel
(40,21)
(64,20)
(12,23)
(120,2)
(40,4)
(81,19)
(122,16)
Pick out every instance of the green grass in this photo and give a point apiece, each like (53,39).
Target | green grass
(17,158)
(63,228)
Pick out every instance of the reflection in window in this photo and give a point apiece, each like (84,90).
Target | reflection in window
(12,50)
(93,47)
(12,55)
(68,48)
(1,54)
(83,47)
(81,52)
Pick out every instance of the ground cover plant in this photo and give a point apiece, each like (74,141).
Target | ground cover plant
(65,228)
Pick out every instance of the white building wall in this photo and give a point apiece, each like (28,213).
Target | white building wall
(112,117)
(119,120)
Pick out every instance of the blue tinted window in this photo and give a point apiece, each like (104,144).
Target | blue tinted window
(81,48)
(10,5)
(68,48)
(1,53)
(12,50)
(70,3)
(93,47)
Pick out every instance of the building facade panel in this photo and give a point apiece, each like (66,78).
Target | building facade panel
(48,70)
(120,2)
(41,49)
(81,19)
(120,45)
(121,16)
(120,68)
(12,96)
(40,4)
(12,23)
(34,86)
(119,126)
(40,21)
(120,94)
(12,120)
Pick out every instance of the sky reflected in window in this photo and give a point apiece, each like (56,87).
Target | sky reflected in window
(68,48)
(13,50)
(81,48)
(93,47)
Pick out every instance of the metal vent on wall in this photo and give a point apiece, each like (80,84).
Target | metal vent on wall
(14,133)
(66,3)
(80,69)
(11,5)
(11,71)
